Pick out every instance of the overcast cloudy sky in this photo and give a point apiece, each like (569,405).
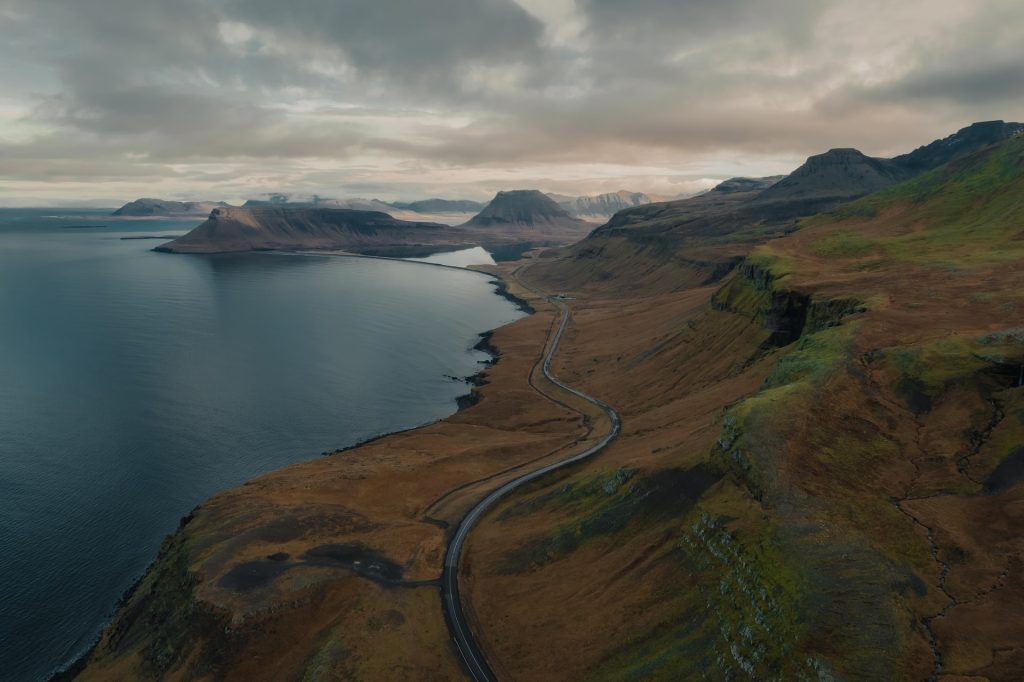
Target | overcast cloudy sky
(106,100)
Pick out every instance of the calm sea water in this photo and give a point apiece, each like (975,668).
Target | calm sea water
(133,385)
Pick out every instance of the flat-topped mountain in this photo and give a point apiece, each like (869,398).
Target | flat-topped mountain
(528,209)
(440,206)
(161,207)
(262,228)
(829,179)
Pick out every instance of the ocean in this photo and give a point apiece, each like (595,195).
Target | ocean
(134,384)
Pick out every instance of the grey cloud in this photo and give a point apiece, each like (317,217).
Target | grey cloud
(406,40)
(696,19)
(151,85)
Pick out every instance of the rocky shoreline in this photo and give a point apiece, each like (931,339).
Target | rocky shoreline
(484,344)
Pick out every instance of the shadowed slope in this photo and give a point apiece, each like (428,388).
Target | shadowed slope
(266,228)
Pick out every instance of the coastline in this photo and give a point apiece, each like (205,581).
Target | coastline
(473,397)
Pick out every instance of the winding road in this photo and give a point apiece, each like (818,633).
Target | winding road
(472,658)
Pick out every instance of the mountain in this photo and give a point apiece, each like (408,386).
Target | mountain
(734,185)
(724,197)
(841,175)
(276,226)
(702,238)
(528,209)
(602,206)
(357,204)
(964,141)
(161,207)
(262,228)
(829,179)
(440,206)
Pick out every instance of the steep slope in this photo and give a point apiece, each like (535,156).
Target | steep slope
(829,179)
(965,141)
(160,207)
(819,475)
(265,228)
(666,246)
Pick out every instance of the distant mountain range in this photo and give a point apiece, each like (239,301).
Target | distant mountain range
(600,207)
(161,207)
(440,206)
(521,217)
(595,209)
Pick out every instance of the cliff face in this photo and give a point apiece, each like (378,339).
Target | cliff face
(268,228)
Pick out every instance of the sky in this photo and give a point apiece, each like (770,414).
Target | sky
(104,101)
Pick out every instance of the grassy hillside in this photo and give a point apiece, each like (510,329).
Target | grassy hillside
(842,421)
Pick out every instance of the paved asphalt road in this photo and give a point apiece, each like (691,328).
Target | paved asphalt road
(472,658)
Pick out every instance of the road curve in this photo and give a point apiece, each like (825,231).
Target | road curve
(472,658)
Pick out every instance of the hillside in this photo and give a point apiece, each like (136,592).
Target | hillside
(965,141)
(829,179)
(161,207)
(820,475)
(702,238)
(264,228)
